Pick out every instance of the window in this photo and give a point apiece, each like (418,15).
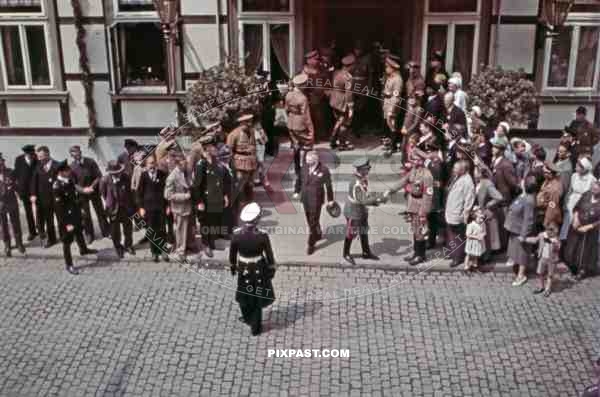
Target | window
(135,5)
(141,54)
(453,6)
(267,46)
(265,6)
(572,58)
(21,6)
(25,56)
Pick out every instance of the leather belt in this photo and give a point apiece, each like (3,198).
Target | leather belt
(250,260)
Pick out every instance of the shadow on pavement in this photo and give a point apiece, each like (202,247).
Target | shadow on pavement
(283,317)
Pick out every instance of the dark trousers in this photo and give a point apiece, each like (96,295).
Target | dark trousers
(155,231)
(29,215)
(45,223)
(170,228)
(363,232)
(252,315)
(116,221)
(313,218)
(299,158)
(433,220)
(211,227)
(67,239)
(15,223)
(456,241)
(88,224)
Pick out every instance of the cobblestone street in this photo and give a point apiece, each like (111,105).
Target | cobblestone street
(142,329)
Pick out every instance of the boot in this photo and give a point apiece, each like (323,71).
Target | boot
(7,250)
(409,258)
(346,253)
(419,253)
(72,270)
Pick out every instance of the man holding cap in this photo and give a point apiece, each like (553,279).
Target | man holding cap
(341,100)
(25,165)
(392,99)
(9,208)
(243,147)
(86,175)
(68,213)
(300,126)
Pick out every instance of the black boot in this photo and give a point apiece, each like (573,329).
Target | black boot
(7,250)
(346,252)
(72,270)
(420,247)
(409,258)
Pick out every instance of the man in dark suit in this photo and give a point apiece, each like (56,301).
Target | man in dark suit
(126,157)
(41,195)
(316,183)
(9,208)
(505,180)
(115,189)
(153,206)
(86,175)
(68,213)
(25,165)
(456,120)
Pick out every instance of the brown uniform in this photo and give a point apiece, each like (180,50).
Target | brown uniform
(586,136)
(243,147)
(342,103)
(548,202)
(392,92)
(415,84)
(300,123)
(361,78)
(420,199)
(317,78)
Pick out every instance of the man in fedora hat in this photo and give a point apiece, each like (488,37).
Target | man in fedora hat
(420,184)
(251,257)
(316,185)
(68,213)
(300,126)
(115,188)
(41,195)
(242,142)
(9,209)
(341,101)
(86,175)
(392,100)
(25,165)
(356,211)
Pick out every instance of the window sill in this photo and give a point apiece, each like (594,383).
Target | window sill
(549,97)
(32,95)
(146,95)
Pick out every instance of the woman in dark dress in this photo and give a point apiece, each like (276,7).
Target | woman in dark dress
(581,252)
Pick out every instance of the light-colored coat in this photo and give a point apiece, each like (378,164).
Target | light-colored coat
(341,97)
(392,92)
(299,123)
(178,193)
(461,196)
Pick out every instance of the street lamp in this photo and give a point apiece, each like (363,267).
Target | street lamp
(168,14)
(554,15)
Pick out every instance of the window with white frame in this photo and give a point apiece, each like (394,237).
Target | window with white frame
(21,6)
(452,27)
(266,39)
(572,58)
(25,56)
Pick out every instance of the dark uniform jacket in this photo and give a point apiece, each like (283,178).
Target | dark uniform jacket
(8,196)
(212,182)
(24,175)
(42,182)
(117,196)
(315,185)
(86,172)
(355,206)
(66,204)
(151,192)
(437,172)
(586,134)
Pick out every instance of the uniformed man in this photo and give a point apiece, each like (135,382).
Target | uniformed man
(243,147)
(357,213)
(229,213)
(548,200)
(435,164)
(341,100)
(211,193)
(586,136)
(392,97)
(415,84)
(9,209)
(251,257)
(68,212)
(300,126)
(87,175)
(361,79)
(420,195)
(316,186)
(315,91)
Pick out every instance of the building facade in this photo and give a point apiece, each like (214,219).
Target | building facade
(42,87)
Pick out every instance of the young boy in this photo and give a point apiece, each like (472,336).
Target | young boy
(548,256)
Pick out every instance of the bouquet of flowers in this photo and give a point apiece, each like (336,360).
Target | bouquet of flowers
(504,95)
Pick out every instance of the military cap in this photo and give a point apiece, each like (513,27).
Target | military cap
(245,117)
(131,142)
(28,149)
(250,213)
(437,56)
(300,79)
(63,166)
(581,110)
(348,60)
(362,162)
(75,149)
(311,54)
(392,63)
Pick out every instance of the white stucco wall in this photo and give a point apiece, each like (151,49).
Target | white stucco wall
(90,8)
(77,107)
(200,47)
(519,7)
(556,116)
(202,7)
(96,48)
(34,113)
(148,113)
(516,46)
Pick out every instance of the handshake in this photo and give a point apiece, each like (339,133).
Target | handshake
(384,198)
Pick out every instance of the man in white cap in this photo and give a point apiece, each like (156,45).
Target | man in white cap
(242,142)
(341,100)
(300,126)
(251,257)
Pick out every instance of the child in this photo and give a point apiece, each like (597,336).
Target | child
(261,146)
(548,256)
(475,246)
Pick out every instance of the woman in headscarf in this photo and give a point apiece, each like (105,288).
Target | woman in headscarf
(581,182)
(581,252)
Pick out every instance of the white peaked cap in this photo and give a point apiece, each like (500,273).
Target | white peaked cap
(250,212)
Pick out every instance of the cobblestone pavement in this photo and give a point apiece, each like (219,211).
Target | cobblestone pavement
(145,329)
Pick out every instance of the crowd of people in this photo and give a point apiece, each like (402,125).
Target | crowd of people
(469,186)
